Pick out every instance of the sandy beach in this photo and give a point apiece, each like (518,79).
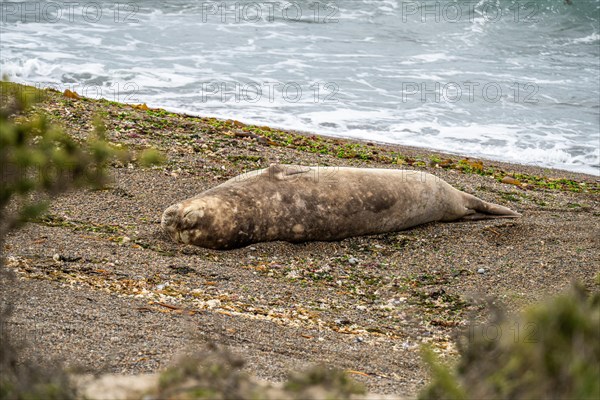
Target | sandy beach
(103,289)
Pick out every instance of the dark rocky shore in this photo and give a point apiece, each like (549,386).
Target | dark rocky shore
(102,288)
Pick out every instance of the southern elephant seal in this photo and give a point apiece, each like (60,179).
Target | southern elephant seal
(298,204)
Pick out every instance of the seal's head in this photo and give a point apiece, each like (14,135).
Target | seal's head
(170,221)
(183,222)
(197,221)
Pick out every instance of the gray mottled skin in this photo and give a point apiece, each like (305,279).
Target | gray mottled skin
(298,204)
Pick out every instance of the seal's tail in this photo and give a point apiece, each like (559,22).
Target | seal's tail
(479,209)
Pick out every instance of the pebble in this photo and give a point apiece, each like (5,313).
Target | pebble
(324,268)
(213,303)
(293,274)
(481,271)
(359,340)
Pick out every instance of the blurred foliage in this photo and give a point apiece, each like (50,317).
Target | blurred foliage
(27,379)
(551,351)
(39,160)
(322,382)
(150,157)
(216,374)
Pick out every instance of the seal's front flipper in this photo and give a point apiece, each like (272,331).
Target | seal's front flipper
(274,172)
(284,172)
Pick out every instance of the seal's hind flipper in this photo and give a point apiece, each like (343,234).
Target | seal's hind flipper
(477,216)
(479,209)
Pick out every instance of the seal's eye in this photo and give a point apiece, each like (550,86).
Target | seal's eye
(191,217)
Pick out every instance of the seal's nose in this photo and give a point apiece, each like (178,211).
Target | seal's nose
(170,218)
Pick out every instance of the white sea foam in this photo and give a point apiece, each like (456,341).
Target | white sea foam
(367,55)
(593,38)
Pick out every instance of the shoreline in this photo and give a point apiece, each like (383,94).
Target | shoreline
(552,172)
(416,150)
(364,304)
(507,165)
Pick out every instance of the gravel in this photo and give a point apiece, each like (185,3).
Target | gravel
(122,298)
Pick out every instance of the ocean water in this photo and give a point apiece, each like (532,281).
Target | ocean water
(503,79)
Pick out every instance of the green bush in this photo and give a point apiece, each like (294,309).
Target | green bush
(215,373)
(37,161)
(552,351)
